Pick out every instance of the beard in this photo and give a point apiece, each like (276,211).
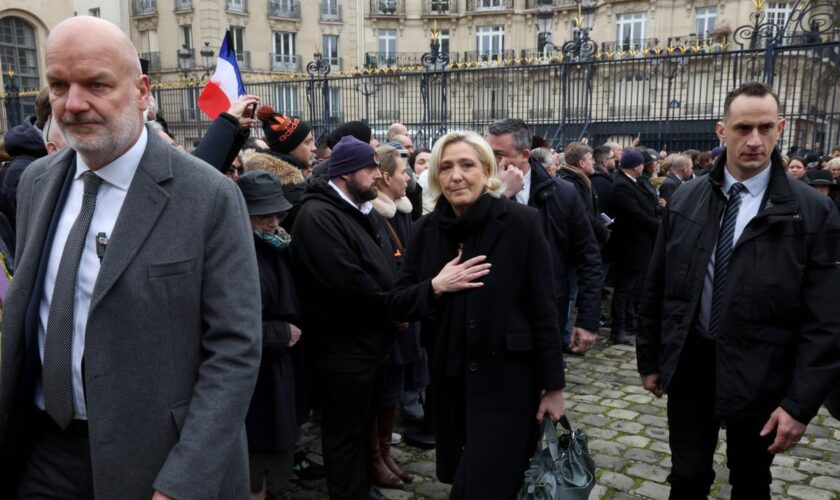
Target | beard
(360,192)
(116,134)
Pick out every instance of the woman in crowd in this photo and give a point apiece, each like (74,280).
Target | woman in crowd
(395,208)
(271,422)
(796,168)
(833,166)
(492,334)
(419,161)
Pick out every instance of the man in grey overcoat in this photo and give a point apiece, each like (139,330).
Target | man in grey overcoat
(130,336)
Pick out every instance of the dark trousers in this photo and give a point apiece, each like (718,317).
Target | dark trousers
(350,402)
(58,466)
(694,428)
(623,310)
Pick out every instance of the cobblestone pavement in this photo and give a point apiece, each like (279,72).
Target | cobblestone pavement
(628,438)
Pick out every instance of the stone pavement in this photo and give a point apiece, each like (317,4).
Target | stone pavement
(628,438)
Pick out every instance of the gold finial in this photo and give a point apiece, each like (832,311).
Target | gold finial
(317,48)
(759,5)
(579,20)
(11,72)
(435,32)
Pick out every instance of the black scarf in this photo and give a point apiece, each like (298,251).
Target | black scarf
(459,233)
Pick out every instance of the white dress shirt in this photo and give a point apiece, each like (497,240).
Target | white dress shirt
(117,177)
(524,194)
(365,207)
(751,197)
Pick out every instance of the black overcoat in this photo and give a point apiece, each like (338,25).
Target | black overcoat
(271,422)
(513,346)
(635,226)
(777,340)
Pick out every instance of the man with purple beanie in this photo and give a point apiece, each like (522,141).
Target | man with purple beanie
(342,262)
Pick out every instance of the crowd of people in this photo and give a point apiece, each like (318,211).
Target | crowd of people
(167,330)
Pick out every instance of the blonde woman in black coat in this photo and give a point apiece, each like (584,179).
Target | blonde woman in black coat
(495,344)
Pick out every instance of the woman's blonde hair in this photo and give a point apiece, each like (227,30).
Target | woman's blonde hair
(832,163)
(388,158)
(493,186)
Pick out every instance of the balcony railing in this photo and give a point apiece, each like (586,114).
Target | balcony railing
(285,62)
(388,59)
(629,45)
(243,59)
(389,115)
(183,5)
(286,9)
(143,8)
(387,8)
(698,44)
(488,55)
(440,7)
(536,4)
(488,5)
(239,6)
(330,12)
(153,58)
(489,114)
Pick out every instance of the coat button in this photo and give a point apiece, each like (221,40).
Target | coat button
(473,366)
(471,323)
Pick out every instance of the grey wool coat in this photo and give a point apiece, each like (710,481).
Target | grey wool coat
(172,343)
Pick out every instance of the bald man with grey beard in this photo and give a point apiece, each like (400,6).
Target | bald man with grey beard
(131,332)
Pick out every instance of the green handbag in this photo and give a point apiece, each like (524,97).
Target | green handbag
(561,468)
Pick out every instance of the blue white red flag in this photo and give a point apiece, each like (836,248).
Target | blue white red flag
(225,86)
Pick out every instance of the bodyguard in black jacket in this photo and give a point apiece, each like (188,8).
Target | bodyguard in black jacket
(756,349)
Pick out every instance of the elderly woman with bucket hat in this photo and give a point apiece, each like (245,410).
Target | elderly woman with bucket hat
(271,422)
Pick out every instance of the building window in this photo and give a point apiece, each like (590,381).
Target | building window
(330,50)
(630,30)
(387,44)
(286,99)
(544,43)
(186,36)
(237,5)
(490,4)
(237,36)
(335,103)
(285,56)
(17,49)
(443,41)
(94,12)
(189,103)
(705,22)
(490,42)
(779,13)
(330,10)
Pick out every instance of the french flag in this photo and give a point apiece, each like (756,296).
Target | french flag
(225,86)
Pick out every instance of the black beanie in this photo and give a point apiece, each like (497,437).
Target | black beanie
(357,129)
(282,133)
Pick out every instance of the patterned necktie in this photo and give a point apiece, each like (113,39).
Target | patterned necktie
(723,253)
(58,347)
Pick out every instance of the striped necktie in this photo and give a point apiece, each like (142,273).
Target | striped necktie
(723,253)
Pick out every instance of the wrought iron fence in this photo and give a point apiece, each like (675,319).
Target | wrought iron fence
(671,95)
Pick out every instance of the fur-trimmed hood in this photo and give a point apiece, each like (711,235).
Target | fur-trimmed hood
(285,171)
(386,207)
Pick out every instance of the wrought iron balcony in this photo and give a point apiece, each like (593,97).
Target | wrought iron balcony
(238,6)
(183,5)
(537,4)
(285,62)
(488,5)
(704,43)
(392,59)
(440,7)
(141,8)
(485,56)
(630,45)
(153,58)
(387,8)
(285,9)
(243,59)
(330,12)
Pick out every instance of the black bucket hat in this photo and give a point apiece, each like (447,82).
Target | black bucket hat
(263,193)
